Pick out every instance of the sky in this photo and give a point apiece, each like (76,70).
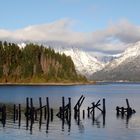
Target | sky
(106,26)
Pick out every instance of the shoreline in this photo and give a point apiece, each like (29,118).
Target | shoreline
(67,84)
(47,84)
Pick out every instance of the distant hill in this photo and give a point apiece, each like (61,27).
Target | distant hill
(126,67)
(35,63)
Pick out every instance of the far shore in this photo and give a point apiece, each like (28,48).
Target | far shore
(65,83)
(47,84)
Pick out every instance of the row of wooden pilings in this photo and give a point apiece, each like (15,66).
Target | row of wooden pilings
(33,114)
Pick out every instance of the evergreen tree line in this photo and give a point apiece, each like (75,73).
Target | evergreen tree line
(35,63)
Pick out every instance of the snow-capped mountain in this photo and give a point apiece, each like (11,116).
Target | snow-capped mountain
(126,67)
(85,63)
(128,55)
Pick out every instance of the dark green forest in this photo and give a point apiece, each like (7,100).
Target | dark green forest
(35,64)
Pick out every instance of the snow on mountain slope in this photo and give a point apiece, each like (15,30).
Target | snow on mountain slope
(85,64)
(130,53)
(126,67)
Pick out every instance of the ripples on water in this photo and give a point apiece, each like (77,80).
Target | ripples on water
(112,128)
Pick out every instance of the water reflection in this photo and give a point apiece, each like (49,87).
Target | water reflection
(124,117)
(79,124)
(98,122)
(23,117)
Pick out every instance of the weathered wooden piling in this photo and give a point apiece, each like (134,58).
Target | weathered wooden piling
(83,114)
(127,103)
(31,110)
(77,107)
(27,112)
(104,107)
(48,108)
(51,114)
(88,110)
(3,115)
(93,111)
(69,111)
(129,109)
(40,105)
(117,111)
(69,114)
(19,114)
(14,113)
(63,107)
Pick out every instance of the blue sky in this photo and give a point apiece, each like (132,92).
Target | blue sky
(89,14)
(102,26)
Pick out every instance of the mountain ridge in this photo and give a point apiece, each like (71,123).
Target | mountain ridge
(126,67)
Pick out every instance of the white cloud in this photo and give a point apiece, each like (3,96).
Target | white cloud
(113,39)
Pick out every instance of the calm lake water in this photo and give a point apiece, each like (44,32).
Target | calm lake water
(113,129)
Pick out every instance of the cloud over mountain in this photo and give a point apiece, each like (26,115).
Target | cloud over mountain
(114,39)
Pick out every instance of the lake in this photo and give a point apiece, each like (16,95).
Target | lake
(114,128)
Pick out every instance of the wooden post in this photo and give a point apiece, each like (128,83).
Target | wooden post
(83,114)
(78,111)
(69,116)
(63,106)
(3,115)
(63,112)
(19,114)
(14,115)
(88,112)
(40,105)
(48,108)
(27,112)
(31,110)
(51,114)
(69,108)
(117,109)
(129,111)
(104,108)
(93,111)
(75,112)
(77,107)
(127,102)
(80,103)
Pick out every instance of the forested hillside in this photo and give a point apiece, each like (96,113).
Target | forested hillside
(35,64)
